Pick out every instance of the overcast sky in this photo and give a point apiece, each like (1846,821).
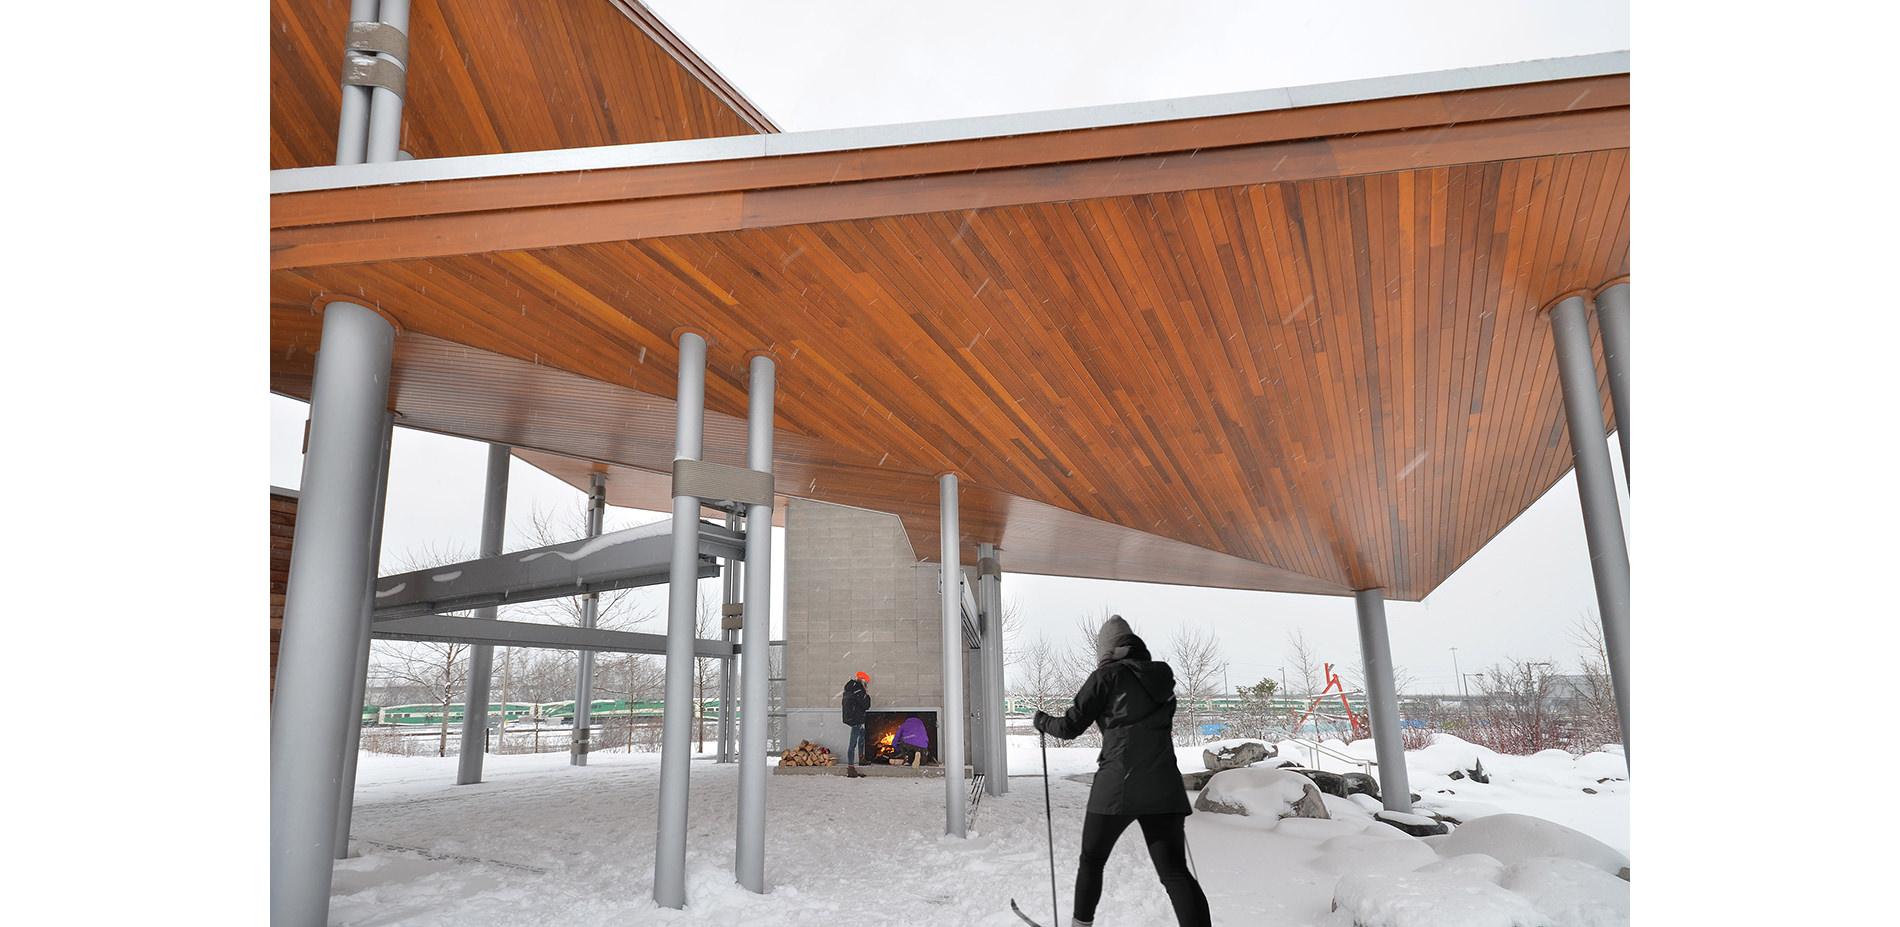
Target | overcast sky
(835,64)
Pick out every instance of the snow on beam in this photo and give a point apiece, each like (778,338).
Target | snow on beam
(618,560)
(456,630)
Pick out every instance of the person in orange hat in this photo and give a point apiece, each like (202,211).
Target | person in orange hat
(856,701)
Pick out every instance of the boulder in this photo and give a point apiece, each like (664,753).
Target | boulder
(1457,774)
(1330,783)
(1196,781)
(1236,755)
(1478,774)
(1257,792)
(1417,825)
(1361,784)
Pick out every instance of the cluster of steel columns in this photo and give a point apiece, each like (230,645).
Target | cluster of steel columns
(323,652)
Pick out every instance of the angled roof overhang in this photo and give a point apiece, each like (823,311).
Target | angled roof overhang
(1286,340)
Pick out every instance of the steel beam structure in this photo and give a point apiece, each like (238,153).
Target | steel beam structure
(323,603)
(481,657)
(732,576)
(950,732)
(1596,489)
(352,129)
(1382,700)
(749,851)
(623,559)
(682,606)
(353,742)
(489,632)
(989,598)
(1613,320)
(590,613)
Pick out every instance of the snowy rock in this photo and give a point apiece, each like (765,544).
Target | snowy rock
(1478,774)
(1416,825)
(1270,793)
(1377,850)
(1516,838)
(1360,784)
(1196,781)
(1236,755)
(1431,899)
(1570,893)
(1330,783)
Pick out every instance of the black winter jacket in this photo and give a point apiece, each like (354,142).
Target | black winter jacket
(1131,697)
(856,702)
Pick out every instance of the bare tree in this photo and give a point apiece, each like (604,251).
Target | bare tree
(1080,658)
(1040,677)
(1194,652)
(1512,713)
(705,669)
(1592,692)
(1304,671)
(436,671)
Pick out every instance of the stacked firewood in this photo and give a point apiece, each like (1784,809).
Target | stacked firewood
(807,754)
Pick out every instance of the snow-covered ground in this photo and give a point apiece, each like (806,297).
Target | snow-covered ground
(542,842)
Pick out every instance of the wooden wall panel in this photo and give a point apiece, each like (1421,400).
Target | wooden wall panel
(493,76)
(283,530)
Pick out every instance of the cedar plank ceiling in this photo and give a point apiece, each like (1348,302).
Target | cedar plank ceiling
(495,76)
(1333,381)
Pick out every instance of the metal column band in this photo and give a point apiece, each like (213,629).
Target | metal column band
(378,38)
(365,71)
(714,483)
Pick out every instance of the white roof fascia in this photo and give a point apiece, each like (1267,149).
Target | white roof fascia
(334,177)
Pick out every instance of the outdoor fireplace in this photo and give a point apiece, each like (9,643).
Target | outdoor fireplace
(880,733)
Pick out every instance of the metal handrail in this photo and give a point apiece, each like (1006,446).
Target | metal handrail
(1315,749)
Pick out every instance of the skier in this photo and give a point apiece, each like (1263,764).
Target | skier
(856,701)
(1130,696)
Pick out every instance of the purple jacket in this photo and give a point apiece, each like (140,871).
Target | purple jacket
(912,732)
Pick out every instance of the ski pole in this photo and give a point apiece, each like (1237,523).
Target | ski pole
(1049,816)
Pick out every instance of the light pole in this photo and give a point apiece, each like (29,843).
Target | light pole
(1454,672)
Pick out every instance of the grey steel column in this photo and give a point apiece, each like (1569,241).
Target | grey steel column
(481,657)
(682,606)
(1596,487)
(352,130)
(385,106)
(950,732)
(1613,320)
(1382,700)
(730,578)
(582,736)
(353,741)
(323,601)
(990,593)
(749,855)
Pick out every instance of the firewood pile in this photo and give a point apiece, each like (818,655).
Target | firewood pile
(807,754)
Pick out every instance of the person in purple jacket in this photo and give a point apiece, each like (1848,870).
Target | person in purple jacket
(912,742)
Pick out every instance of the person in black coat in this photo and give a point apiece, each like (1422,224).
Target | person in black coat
(1130,696)
(856,701)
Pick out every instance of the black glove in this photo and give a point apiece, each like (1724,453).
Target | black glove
(1042,721)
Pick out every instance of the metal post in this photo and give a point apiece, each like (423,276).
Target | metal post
(353,741)
(1613,320)
(749,855)
(385,106)
(950,732)
(682,606)
(581,737)
(352,130)
(1596,487)
(322,604)
(1382,700)
(989,587)
(728,667)
(481,657)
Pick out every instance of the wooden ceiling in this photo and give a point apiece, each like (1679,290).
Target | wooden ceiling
(1295,350)
(495,76)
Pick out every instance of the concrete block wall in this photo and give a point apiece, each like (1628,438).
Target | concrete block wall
(856,598)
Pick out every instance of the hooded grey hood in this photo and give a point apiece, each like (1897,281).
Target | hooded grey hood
(1112,636)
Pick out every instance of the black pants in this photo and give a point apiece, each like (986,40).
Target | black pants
(1166,836)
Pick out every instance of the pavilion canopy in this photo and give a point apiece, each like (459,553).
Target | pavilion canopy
(1287,343)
